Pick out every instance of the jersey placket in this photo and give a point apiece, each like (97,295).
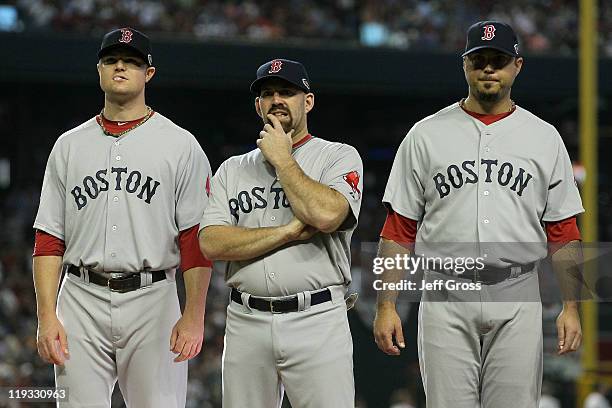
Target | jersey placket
(485,198)
(271,219)
(115,202)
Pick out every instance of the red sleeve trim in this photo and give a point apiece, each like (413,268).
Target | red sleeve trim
(559,233)
(191,256)
(562,232)
(46,244)
(399,228)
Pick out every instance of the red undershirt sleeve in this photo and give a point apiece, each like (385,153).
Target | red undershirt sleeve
(46,244)
(398,228)
(559,233)
(191,256)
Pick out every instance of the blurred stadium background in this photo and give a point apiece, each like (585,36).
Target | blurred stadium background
(376,67)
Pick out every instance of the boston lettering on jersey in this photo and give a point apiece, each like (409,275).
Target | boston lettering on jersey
(133,183)
(247,201)
(458,176)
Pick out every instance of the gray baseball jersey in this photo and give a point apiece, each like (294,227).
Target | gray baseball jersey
(466,182)
(245,192)
(119,204)
(265,353)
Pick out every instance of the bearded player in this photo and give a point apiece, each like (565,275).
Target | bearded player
(282,217)
(491,176)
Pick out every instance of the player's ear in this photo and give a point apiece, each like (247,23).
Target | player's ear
(518,63)
(309,100)
(258,107)
(149,73)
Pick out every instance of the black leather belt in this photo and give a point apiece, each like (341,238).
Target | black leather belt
(489,275)
(285,305)
(121,285)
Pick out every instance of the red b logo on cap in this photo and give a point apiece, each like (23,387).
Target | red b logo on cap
(489,32)
(275,66)
(126,36)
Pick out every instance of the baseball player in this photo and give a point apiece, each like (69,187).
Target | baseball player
(282,217)
(121,200)
(482,171)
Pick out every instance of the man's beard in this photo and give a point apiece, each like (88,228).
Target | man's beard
(490,97)
(287,126)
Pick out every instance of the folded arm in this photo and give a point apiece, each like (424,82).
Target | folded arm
(312,202)
(233,243)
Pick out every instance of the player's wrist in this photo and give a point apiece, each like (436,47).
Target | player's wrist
(570,305)
(46,314)
(289,233)
(194,313)
(284,165)
(385,305)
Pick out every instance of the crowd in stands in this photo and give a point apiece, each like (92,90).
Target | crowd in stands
(544,26)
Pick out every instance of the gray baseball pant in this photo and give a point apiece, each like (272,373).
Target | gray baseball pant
(482,349)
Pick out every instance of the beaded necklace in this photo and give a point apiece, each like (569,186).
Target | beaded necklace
(109,133)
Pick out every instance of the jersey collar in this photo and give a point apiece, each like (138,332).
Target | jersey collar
(303,141)
(488,119)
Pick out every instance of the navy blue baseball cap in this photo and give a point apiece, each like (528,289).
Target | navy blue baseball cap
(129,38)
(290,71)
(492,34)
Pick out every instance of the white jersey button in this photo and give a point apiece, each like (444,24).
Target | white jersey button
(118,158)
(486,221)
(113,254)
(115,199)
(272,275)
(486,192)
(114,228)
(273,218)
(116,143)
(487,149)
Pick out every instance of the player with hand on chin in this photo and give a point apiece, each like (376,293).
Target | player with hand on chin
(282,216)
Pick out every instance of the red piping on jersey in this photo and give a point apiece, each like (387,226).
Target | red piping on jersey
(487,118)
(302,141)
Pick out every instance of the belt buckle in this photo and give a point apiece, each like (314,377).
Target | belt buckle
(122,279)
(274,311)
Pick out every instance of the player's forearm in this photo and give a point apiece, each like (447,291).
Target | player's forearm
(197,281)
(231,243)
(567,264)
(46,272)
(312,202)
(390,249)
